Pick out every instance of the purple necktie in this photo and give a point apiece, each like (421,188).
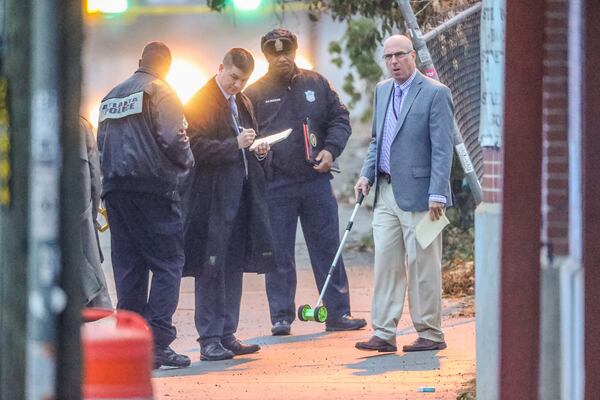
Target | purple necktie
(389,130)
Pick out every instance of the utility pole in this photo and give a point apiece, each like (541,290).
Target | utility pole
(14,213)
(53,346)
(40,300)
(68,357)
(46,298)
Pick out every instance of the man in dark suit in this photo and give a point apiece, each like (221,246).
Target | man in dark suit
(227,229)
(408,162)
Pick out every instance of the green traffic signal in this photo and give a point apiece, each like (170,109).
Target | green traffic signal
(246,5)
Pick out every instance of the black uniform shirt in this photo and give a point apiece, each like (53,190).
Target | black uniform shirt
(281,105)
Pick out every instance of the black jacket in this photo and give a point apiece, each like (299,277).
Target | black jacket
(142,138)
(280,105)
(212,193)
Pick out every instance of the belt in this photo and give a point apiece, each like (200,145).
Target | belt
(384,175)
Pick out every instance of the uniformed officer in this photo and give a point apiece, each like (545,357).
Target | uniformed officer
(284,98)
(144,153)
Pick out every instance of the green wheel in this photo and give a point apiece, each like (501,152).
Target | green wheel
(321,314)
(303,312)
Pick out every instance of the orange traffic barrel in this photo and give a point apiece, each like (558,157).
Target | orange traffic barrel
(117,355)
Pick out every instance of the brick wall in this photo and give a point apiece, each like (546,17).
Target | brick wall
(555,166)
(491,183)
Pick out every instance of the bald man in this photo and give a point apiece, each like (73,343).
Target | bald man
(145,152)
(408,163)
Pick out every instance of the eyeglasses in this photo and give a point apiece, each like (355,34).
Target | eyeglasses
(398,55)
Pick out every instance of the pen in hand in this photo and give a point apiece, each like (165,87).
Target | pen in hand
(245,137)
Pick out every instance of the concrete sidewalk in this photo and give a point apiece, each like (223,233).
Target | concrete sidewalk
(313,363)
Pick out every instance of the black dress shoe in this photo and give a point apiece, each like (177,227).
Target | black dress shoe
(239,348)
(214,351)
(422,344)
(345,323)
(376,344)
(167,357)
(281,328)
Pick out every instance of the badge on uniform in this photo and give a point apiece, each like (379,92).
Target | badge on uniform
(310,96)
(278,45)
(311,146)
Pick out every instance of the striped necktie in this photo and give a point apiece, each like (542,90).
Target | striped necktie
(389,130)
(236,123)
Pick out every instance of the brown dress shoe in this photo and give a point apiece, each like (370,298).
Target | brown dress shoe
(422,344)
(238,348)
(376,343)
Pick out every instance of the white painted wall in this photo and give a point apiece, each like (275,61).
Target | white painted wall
(112,47)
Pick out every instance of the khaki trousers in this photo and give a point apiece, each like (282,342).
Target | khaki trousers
(394,238)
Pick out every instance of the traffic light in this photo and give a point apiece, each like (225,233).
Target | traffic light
(246,5)
(107,6)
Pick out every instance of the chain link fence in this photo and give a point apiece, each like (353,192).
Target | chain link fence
(456,56)
(455,52)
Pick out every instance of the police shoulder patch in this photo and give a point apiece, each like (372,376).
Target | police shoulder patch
(116,108)
(310,96)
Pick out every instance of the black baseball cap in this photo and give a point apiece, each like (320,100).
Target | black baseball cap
(278,40)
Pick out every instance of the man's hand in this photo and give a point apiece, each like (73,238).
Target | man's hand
(324,161)
(362,186)
(262,149)
(245,138)
(436,210)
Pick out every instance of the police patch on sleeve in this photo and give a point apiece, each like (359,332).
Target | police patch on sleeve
(310,96)
(121,107)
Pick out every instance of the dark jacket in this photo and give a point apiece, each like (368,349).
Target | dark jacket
(142,138)
(280,105)
(213,190)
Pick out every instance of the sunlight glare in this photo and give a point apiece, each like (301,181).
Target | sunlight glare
(107,6)
(302,62)
(185,78)
(94,113)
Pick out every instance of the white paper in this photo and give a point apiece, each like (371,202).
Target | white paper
(271,139)
(427,230)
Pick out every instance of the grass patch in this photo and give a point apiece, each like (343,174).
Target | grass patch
(468,391)
(458,279)
(458,268)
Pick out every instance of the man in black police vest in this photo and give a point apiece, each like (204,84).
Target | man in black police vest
(144,153)
(284,98)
